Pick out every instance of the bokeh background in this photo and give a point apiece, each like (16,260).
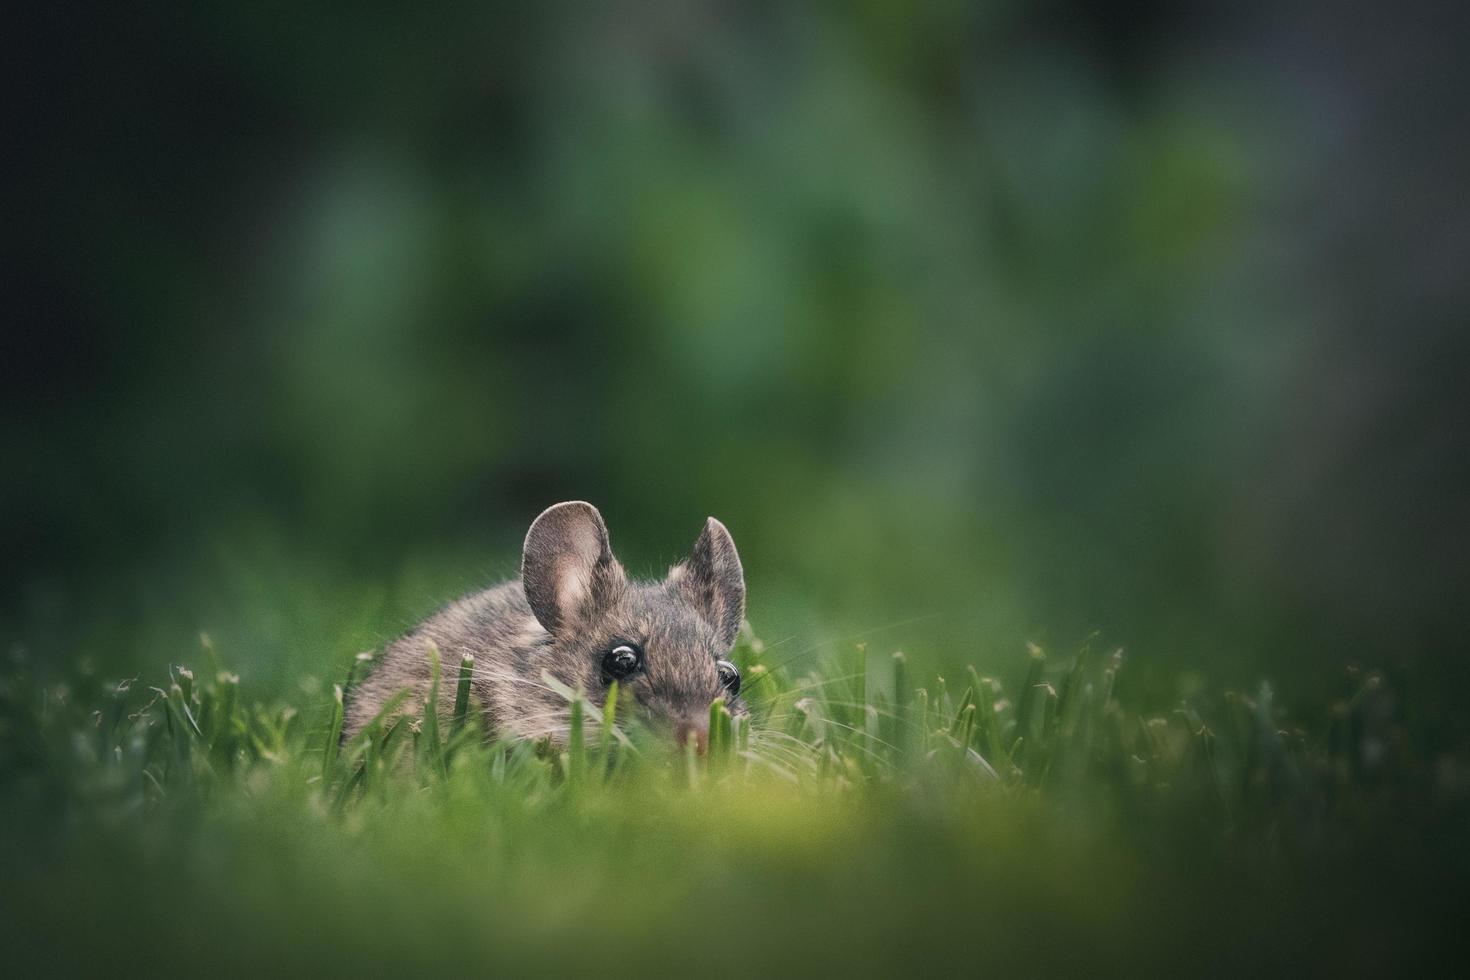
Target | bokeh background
(978,323)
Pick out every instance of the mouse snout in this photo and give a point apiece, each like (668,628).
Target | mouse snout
(695,728)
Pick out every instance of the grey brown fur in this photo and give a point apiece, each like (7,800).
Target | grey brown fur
(572,603)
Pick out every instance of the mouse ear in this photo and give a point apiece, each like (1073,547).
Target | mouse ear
(712,580)
(567,567)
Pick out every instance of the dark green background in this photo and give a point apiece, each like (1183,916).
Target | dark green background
(977,324)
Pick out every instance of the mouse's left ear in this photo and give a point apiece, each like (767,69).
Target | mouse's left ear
(712,580)
(567,566)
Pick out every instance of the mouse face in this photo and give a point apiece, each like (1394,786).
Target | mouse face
(664,642)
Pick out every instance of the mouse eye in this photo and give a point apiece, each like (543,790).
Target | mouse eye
(729,676)
(621,662)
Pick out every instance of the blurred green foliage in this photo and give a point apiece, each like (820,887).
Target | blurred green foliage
(1001,322)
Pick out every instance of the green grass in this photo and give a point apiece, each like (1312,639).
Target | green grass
(863,821)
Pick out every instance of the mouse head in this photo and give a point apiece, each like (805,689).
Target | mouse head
(665,641)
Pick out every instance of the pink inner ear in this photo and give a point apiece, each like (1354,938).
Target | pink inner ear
(573,581)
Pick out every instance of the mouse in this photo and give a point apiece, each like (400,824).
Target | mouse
(577,616)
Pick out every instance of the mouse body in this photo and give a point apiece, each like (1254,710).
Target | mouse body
(577,616)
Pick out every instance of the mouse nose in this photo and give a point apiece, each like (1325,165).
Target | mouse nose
(698,729)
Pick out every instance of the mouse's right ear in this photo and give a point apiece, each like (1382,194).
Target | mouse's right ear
(567,567)
(713,581)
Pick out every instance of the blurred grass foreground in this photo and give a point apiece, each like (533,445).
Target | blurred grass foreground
(855,824)
(985,327)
